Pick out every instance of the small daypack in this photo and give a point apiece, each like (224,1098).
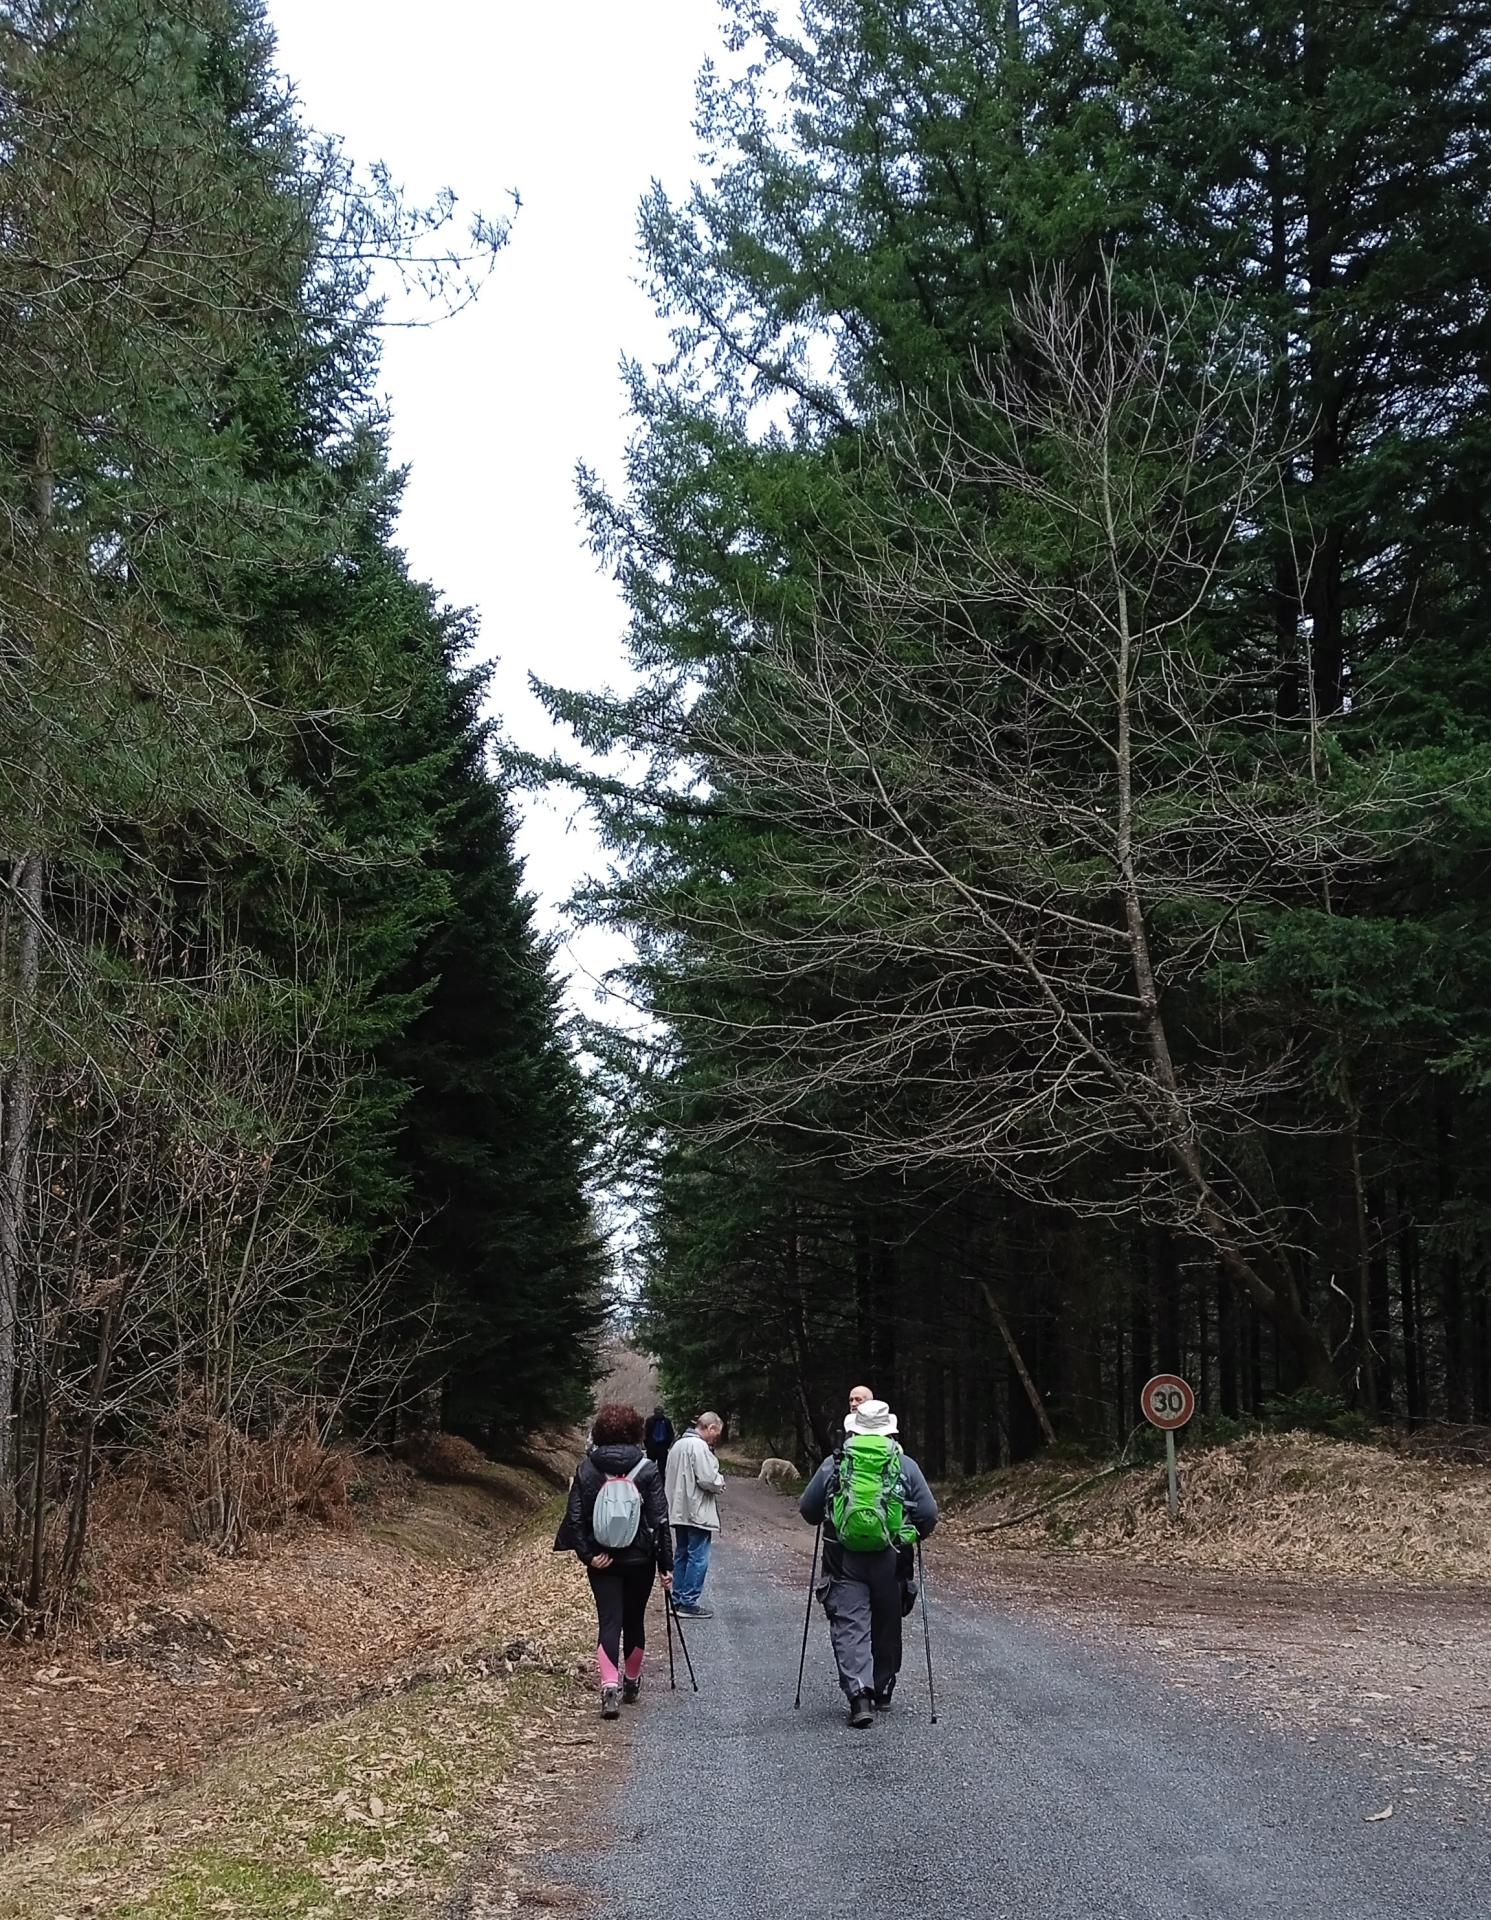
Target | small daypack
(618,1510)
(657,1434)
(867,1509)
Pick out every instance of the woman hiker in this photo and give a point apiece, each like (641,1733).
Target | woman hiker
(617,1493)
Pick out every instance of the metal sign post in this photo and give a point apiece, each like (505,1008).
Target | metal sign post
(1167,1402)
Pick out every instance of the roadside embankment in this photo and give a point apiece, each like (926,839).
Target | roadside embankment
(319,1725)
(1287,1504)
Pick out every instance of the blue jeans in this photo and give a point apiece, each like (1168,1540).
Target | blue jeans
(690,1563)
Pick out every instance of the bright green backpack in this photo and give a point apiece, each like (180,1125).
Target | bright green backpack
(867,1510)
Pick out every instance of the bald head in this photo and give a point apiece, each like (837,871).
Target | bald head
(710,1426)
(858,1397)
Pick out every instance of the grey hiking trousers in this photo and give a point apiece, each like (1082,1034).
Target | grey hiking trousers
(861,1594)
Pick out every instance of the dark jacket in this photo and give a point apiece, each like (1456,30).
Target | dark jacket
(916,1497)
(657,1447)
(654,1539)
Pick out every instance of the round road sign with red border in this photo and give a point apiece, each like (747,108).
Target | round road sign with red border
(1167,1401)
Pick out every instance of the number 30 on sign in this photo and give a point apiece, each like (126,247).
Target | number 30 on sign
(1167,1401)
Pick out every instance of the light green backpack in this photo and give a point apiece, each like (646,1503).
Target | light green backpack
(867,1508)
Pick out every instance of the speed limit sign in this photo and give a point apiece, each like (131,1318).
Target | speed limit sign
(1167,1401)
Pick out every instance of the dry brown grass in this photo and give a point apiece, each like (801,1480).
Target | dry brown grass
(444,1456)
(1287,1504)
(379,1812)
(191,1653)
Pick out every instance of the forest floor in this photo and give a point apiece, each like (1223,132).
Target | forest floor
(331,1722)
(1289,1504)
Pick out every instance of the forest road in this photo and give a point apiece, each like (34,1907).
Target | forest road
(1059,1782)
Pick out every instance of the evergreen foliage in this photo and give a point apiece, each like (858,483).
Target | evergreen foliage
(275,1008)
(826,516)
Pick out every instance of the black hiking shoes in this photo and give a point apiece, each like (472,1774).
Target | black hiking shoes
(881,1696)
(629,1691)
(610,1703)
(861,1712)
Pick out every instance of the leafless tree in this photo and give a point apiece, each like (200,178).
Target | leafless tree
(1021,811)
(185,1286)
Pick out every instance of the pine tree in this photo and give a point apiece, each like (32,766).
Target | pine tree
(885,185)
(245,802)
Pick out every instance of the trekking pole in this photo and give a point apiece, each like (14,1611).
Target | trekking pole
(921,1581)
(807,1620)
(682,1642)
(668,1617)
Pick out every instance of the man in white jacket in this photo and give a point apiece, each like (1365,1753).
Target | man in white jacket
(695,1484)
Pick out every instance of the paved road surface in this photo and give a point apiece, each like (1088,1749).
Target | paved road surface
(1058,1785)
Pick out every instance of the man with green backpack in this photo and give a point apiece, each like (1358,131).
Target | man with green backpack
(873,1504)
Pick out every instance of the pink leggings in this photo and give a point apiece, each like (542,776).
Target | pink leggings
(621,1596)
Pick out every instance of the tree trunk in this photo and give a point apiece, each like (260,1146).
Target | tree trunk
(1227,1383)
(1382,1304)
(1017,1363)
(19,1113)
(1451,1277)
(1408,1295)
(1141,1325)
(35,1580)
(1168,1356)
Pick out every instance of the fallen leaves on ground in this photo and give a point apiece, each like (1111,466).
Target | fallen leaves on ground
(380,1810)
(302,1625)
(1288,1504)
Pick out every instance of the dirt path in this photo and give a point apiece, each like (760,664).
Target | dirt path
(1404,1674)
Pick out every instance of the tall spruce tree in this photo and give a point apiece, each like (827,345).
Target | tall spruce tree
(885,183)
(244,796)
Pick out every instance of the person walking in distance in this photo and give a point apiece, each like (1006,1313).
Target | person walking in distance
(660,1438)
(873,1504)
(695,1484)
(616,1523)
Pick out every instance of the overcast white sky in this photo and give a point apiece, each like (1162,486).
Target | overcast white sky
(577,106)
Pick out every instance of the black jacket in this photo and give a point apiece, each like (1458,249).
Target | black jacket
(654,1539)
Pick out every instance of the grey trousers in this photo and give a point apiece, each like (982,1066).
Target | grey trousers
(861,1594)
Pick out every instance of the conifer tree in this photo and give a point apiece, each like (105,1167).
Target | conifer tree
(884,186)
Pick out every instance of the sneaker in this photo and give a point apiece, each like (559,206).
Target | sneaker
(695,1612)
(610,1703)
(861,1713)
(629,1691)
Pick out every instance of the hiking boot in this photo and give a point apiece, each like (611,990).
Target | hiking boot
(861,1713)
(695,1612)
(881,1695)
(610,1703)
(629,1691)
